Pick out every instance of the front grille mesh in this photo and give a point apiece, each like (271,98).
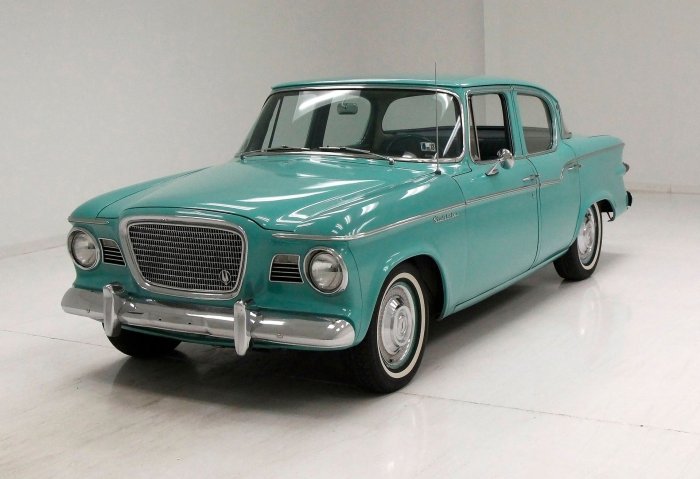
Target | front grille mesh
(190,257)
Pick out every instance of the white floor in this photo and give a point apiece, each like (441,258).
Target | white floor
(545,380)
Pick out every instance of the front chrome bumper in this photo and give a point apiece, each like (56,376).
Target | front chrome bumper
(114,308)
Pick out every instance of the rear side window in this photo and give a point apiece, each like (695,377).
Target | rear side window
(536,120)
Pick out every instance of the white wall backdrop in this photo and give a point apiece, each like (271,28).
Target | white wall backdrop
(95,95)
(620,67)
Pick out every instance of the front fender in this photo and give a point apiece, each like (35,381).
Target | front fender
(432,236)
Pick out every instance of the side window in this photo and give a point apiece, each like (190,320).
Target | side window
(411,122)
(536,120)
(488,131)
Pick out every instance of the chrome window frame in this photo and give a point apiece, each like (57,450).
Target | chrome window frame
(556,124)
(505,91)
(343,86)
(131,262)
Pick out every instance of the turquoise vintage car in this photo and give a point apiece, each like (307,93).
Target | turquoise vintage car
(355,212)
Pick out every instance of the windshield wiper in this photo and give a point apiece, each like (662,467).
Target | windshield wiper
(275,149)
(349,149)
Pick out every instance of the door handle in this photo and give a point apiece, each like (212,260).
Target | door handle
(573,167)
(530,178)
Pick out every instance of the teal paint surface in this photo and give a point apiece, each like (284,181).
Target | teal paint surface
(483,232)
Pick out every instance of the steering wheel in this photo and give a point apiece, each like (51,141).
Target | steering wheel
(408,145)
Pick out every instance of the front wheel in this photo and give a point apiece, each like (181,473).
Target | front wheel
(581,259)
(389,356)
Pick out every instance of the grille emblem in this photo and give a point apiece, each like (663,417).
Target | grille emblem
(225,276)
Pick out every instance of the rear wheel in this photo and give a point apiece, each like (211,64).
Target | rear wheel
(141,345)
(581,259)
(389,356)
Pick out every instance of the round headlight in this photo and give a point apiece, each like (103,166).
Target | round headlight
(326,271)
(83,249)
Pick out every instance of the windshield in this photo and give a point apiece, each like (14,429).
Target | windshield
(409,125)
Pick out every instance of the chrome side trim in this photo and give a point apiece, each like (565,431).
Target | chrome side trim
(568,166)
(602,150)
(500,194)
(350,237)
(575,164)
(87,221)
(115,308)
(185,293)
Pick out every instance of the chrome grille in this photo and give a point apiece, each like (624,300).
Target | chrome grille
(111,253)
(191,257)
(285,269)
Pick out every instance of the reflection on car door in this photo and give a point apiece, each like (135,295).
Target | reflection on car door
(501,214)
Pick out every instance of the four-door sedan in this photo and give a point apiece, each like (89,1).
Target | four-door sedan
(355,212)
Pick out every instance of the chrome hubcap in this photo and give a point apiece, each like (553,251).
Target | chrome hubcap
(397,320)
(586,238)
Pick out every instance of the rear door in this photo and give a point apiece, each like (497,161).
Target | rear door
(559,196)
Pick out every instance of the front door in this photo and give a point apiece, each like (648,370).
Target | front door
(501,213)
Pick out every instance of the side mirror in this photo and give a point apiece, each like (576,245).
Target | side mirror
(505,160)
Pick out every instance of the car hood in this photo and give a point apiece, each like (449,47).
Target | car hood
(277,192)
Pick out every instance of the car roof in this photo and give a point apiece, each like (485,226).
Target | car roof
(442,81)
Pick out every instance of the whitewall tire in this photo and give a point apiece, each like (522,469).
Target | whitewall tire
(389,356)
(580,260)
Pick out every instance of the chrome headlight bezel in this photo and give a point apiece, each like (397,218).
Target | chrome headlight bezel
(318,254)
(71,250)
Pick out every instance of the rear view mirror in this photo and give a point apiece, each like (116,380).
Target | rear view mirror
(347,108)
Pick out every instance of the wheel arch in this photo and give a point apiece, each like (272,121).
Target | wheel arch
(432,276)
(432,273)
(606,206)
(605,203)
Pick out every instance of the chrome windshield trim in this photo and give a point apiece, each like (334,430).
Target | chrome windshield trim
(344,86)
(356,236)
(87,221)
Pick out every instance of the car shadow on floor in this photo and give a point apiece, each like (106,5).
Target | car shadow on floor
(291,380)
